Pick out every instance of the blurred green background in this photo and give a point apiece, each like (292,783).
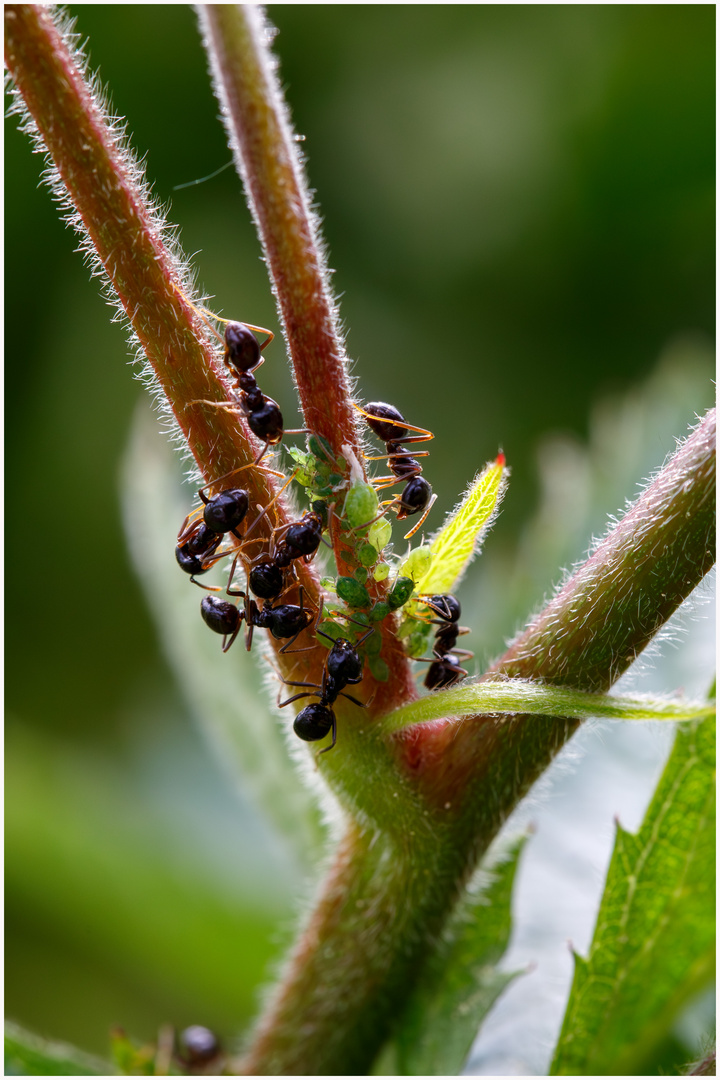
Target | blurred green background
(519,202)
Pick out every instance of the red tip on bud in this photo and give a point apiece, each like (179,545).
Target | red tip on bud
(500,459)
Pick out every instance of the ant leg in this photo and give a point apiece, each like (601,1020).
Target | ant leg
(190,526)
(235,633)
(233,472)
(271,503)
(210,588)
(202,312)
(367,524)
(396,453)
(397,423)
(422,519)
(258,330)
(217,404)
(334,735)
(296,697)
(360,641)
(362,704)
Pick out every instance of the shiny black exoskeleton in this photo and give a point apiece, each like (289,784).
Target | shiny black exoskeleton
(445,669)
(265,579)
(242,356)
(194,556)
(199,538)
(283,621)
(300,540)
(343,667)
(390,426)
(222,617)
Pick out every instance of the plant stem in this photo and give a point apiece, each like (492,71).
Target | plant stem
(266,153)
(386,897)
(113,212)
(259,130)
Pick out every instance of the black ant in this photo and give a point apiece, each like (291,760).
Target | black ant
(301,540)
(241,358)
(445,668)
(283,621)
(390,426)
(200,535)
(343,667)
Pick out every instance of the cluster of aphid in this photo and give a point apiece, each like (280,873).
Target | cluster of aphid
(212,532)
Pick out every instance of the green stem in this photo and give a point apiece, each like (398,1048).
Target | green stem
(389,891)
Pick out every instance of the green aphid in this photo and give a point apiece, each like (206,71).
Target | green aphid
(335,478)
(379,668)
(367,555)
(332,629)
(408,627)
(321,448)
(361,505)
(320,507)
(379,611)
(417,644)
(381,571)
(379,533)
(305,463)
(352,592)
(360,574)
(373,645)
(417,563)
(400,593)
(328,583)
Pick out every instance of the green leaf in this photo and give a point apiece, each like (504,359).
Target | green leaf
(461,980)
(29,1055)
(460,538)
(515,696)
(654,943)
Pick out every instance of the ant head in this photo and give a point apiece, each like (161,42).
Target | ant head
(242,351)
(446,606)
(226,510)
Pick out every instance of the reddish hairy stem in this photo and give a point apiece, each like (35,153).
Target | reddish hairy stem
(103,186)
(259,129)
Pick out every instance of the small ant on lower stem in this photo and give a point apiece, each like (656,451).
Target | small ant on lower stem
(343,667)
(445,667)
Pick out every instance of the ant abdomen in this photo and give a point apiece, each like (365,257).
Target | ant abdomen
(220,615)
(242,351)
(415,497)
(314,722)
